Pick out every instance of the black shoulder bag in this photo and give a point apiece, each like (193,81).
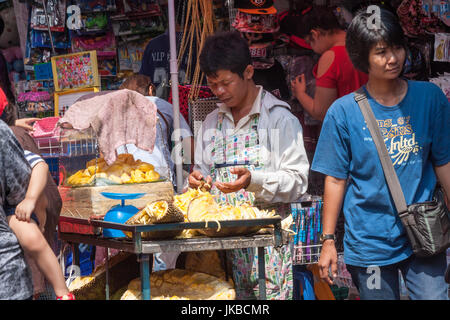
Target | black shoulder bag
(427,224)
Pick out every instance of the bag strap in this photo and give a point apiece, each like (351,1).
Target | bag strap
(388,168)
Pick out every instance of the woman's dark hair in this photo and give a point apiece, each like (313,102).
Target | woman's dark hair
(364,32)
(225,51)
(10,113)
(317,17)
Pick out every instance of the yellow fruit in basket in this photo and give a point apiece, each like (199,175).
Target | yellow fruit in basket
(151,175)
(86,173)
(138,176)
(127,168)
(145,167)
(115,178)
(115,169)
(125,178)
(74,179)
(92,169)
(93,162)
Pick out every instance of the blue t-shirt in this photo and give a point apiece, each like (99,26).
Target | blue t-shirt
(416,133)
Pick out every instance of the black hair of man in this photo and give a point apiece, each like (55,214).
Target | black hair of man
(225,51)
(364,33)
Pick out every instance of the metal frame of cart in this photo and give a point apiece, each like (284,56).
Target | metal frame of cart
(144,248)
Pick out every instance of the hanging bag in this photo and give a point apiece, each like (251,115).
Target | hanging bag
(427,224)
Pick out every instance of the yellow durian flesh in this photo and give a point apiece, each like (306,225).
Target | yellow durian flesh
(151,175)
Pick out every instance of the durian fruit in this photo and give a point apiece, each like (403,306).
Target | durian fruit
(145,167)
(151,176)
(123,267)
(181,201)
(155,213)
(159,212)
(126,178)
(138,176)
(178,284)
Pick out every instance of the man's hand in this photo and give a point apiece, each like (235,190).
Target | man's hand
(244,176)
(24,209)
(328,257)
(196,180)
(26,123)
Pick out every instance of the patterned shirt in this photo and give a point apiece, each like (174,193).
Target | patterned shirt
(15,276)
(32,158)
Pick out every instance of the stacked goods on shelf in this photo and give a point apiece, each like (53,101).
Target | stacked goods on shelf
(122,268)
(177,284)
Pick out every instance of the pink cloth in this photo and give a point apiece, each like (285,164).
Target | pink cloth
(118,118)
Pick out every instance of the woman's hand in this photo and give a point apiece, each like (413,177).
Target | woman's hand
(328,258)
(26,123)
(298,86)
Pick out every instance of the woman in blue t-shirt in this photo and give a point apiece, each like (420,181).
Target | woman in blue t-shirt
(414,119)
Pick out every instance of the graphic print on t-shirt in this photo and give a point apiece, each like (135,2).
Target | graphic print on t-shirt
(399,138)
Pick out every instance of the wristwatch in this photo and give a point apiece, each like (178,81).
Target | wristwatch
(324,237)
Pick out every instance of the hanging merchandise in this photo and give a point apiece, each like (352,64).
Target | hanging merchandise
(136,9)
(41,39)
(96,5)
(54,11)
(419,18)
(199,25)
(443,82)
(442,47)
(256,23)
(153,27)
(104,44)
(307,228)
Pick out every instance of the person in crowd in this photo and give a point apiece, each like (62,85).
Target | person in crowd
(334,72)
(156,58)
(164,136)
(414,119)
(234,155)
(27,220)
(15,276)
(10,115)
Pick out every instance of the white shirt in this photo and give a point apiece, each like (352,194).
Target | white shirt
(284,177)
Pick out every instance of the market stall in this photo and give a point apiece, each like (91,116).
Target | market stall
(111,36)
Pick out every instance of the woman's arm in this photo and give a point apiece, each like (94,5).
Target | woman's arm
(323,98)
(332,203)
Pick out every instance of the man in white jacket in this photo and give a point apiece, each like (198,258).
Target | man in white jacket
(250,148)
(284,176)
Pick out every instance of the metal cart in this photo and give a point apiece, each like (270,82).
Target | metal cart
(143,249)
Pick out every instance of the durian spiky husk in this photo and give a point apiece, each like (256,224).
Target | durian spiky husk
(157,212)
(178,284)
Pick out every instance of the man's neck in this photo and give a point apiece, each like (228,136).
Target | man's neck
(244,109)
